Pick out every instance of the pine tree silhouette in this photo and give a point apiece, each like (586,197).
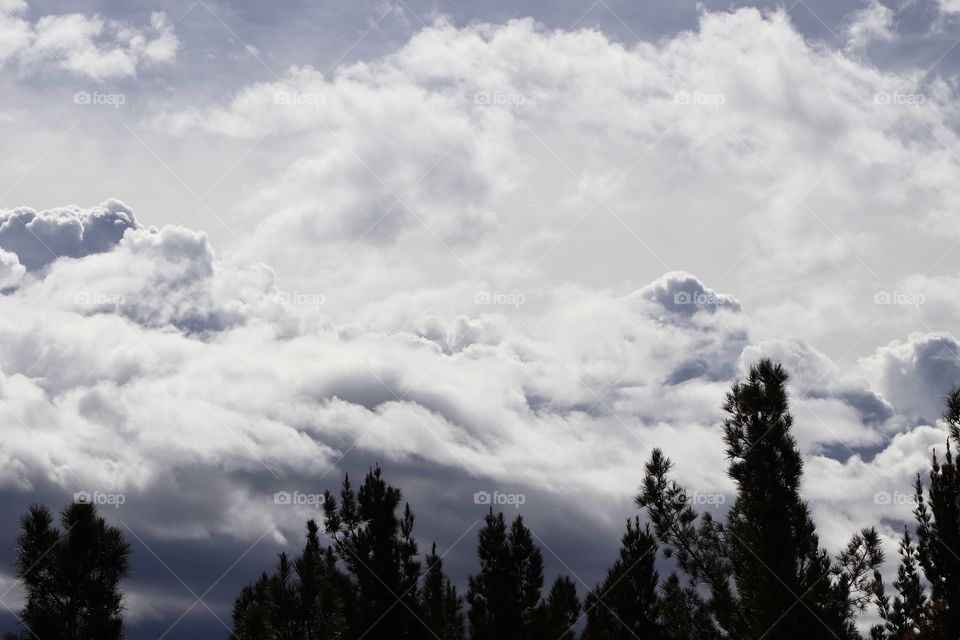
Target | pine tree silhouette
(442,607)
(914,613)
(626,603)
(71,577)
(377,547)
(504,596)
(561,611)
(763,570)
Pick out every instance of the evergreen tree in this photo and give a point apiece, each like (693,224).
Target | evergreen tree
(913,613)
(323,594)
(763,570)
(301,600)
(908,615)
(626,603)
(441,606)
(561,611)
(71,577)
(377,547)
(504,597)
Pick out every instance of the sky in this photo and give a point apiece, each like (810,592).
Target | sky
(246,248)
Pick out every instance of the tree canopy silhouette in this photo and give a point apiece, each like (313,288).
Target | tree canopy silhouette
(916,612)
(761,572)
(72,575)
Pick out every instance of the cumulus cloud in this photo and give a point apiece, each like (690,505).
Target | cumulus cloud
(39,238)
(86,46)
(873,23)
(531,156)
(466,268)
(915,374)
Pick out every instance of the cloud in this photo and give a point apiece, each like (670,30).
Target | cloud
(10,269)
(949,7)
(873,23)
(915,374)
(463,263)
(684,295)
(530,157)
(39,238)
(90,47)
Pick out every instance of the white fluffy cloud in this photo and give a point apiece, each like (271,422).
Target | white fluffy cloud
(875,22)
(86,46)
(467,266)
(521,157)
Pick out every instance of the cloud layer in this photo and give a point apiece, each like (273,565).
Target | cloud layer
(501,257)
(86,46)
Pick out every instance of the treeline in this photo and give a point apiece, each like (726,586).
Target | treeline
(759,573)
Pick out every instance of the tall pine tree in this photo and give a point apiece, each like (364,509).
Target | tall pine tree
(71,577)
(505,595)
(440,603)
(626,604)
(376,545)
(763,571)
(914,613)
